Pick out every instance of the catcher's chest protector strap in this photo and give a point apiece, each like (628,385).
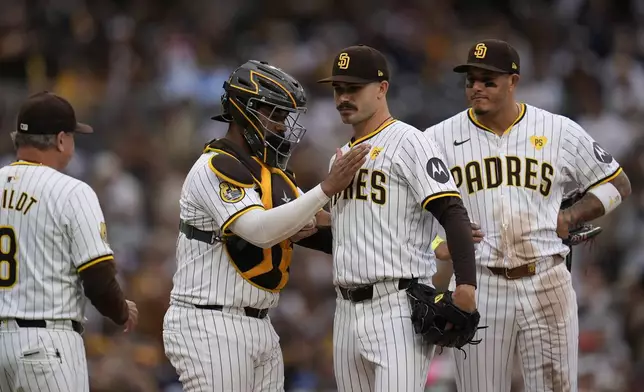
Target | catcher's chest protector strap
(276,187)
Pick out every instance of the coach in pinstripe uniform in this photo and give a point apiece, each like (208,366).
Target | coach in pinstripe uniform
(53,248)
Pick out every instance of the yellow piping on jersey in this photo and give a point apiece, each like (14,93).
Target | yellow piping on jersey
(374,133)
(607,179)
(472,117)
(236,215)
(438,196)
(94,261)
(25,163)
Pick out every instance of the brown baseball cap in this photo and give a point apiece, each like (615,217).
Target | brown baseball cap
(359,64)
(492,55)
(46,113)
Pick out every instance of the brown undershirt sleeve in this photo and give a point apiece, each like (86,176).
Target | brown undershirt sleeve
(452,215)
(104,291)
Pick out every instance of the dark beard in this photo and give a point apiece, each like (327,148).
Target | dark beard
(480,112)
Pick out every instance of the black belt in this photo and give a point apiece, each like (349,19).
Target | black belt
(191,232)
(76,326)
(363,293)
(250,312)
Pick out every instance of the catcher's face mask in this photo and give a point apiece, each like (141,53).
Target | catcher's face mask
(280,128)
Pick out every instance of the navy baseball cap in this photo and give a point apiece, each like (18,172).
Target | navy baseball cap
(46,113)
(492,55)
(360,64)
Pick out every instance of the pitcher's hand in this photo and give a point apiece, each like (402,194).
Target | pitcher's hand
(464,297)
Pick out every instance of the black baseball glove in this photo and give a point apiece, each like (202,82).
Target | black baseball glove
(432,311)
(585,231)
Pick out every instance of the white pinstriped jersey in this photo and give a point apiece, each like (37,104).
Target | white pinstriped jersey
(205,273)
(513,185)
(380,228)
(51,228)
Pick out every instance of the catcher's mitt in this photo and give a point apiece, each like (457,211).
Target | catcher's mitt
(431,313)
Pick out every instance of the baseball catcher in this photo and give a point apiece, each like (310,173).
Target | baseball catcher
(585,232)
(438,320)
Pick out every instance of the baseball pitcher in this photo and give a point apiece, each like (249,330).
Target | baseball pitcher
(382,226)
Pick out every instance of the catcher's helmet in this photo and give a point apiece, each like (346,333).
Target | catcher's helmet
(255,85)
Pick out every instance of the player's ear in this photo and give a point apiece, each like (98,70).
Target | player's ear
(514,80)
(382,89)
(60,141)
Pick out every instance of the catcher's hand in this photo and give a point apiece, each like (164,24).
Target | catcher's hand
(438,320)
(581,233)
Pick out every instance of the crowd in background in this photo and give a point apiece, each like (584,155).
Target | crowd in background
(147,75)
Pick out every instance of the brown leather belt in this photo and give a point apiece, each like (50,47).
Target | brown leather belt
(519,272)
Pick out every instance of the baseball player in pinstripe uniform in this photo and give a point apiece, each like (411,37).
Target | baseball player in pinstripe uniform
(241,212)
(511,162)
(382,226)
(53,248)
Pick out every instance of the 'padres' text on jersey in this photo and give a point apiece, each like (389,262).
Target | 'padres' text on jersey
(513,184)
(380,228)
(51,228)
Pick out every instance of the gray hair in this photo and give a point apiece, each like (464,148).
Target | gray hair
(41,142)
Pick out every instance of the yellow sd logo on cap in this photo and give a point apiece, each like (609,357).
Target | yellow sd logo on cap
(343,60)
(480,51)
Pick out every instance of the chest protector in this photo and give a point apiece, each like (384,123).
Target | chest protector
(267,269)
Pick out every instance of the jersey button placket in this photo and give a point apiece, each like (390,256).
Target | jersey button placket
(504,197)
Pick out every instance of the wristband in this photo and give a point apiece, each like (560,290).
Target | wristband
(608,195)
(437,241)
